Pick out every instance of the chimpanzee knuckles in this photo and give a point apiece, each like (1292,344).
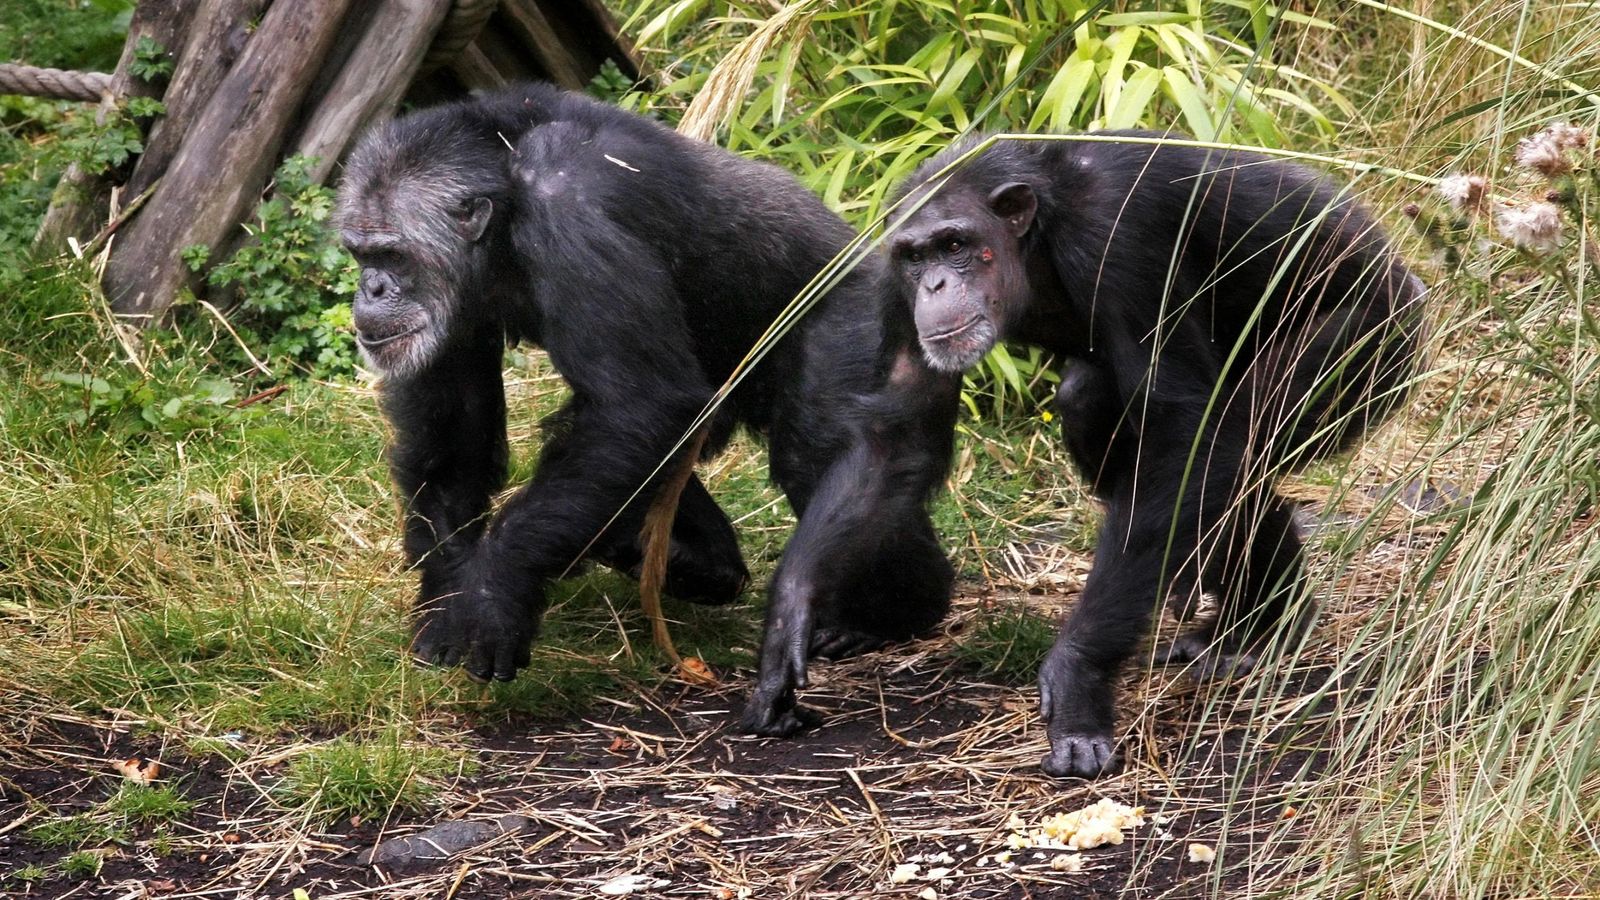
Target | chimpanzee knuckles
(489,638)
(773,712)
(1081,756)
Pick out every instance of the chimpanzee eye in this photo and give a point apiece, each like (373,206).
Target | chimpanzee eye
(914,255)
(954,246)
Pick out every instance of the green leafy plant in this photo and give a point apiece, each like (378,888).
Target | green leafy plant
(150,59)
(293,280)
(853,96)
(125,403)
(1009,645)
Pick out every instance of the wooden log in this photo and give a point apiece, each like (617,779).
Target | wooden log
(528,24)
(220,31)
(81,202)
(371,79)
(226,157)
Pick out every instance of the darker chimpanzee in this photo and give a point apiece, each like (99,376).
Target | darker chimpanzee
(1226,317)
(647,265)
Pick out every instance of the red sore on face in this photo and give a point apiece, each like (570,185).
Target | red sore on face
(986,255)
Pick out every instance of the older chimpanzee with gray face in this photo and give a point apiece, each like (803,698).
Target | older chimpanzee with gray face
(646,264)
(1226,317)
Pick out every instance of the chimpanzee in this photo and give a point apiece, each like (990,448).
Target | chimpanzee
(1225,317)
(647,265)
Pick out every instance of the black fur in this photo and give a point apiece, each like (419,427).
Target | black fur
(1226,317)
(646,264)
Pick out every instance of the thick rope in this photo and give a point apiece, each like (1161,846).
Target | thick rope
(34,81)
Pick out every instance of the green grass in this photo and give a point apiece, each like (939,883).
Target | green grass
(73,831)
(213,570)
(1007,644)
(367,778)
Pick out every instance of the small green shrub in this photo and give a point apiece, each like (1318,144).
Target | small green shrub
(125,403)
(82,864)
(140,804)
(293,279)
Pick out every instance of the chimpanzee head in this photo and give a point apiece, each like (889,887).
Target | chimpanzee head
(961,259)
(415,210)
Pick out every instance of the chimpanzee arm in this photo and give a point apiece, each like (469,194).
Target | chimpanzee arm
(448,456)
(872,494)
(614,329)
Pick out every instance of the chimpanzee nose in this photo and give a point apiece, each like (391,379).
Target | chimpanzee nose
(375,283)
(934,284)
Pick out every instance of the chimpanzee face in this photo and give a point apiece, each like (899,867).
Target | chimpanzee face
(961,259)
(418,253)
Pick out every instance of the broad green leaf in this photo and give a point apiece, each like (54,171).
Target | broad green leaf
(1134,100)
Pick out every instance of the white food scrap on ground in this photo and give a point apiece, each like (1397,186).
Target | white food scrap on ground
(1067,862)
(904,873)
(1096,825)
(1200,853)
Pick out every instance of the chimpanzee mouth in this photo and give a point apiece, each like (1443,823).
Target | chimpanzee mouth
(956,331)
(371,343)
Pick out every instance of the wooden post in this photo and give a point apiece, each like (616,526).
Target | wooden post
(226,156)
(220,31)
(81,201)
(375,74)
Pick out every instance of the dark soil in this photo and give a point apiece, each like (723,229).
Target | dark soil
(917,756)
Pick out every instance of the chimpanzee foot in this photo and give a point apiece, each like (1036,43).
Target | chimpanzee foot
(1206,659)
(1081,756)
(838,642)
(779,716)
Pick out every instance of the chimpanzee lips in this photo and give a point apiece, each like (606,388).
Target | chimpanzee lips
(954,332)
(370,342)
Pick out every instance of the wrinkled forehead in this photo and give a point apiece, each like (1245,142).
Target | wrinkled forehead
(930,210)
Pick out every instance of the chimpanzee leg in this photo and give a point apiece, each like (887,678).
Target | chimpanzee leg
(1255,590)
(863,565)
(902,591)
(704,564)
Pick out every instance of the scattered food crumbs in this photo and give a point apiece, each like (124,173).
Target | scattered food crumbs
(1067,862)
(1200,853)
(1290,812)
(1096,825)
(904,873)
(928,893)
(1003,859)
(623,885)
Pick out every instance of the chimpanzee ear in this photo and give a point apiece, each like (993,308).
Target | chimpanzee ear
(472,220)
(1014,202)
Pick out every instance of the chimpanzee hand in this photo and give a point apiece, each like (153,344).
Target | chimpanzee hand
(771,710)
(1076,700)
(488,634)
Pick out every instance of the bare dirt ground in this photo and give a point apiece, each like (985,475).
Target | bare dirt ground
(659,796)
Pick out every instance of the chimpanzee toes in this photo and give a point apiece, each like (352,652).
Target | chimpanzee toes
(1081,756)
(1205,658)
(835,642)
(776,723)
